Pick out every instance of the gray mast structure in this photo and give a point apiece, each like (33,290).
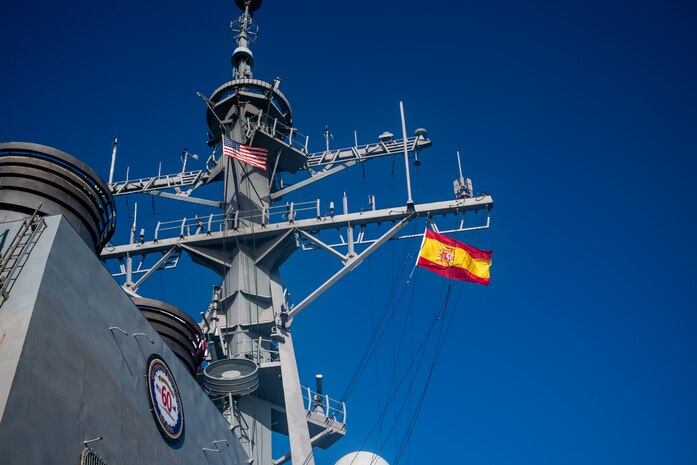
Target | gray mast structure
(253,377)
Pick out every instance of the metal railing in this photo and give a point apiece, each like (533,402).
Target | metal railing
(288,213)
(261,351)
(274,128)
(163,181)
(322,404)
(328,158)
(189,226)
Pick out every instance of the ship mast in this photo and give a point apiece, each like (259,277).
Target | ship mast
(252,294)
(253,377)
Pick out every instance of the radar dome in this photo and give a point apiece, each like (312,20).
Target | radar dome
(361,458)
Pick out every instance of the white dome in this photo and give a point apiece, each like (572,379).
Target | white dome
(361,458)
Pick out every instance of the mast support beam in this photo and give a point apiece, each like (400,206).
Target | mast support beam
(153,269)
(323,246)
(349,266)
(185,198)
(212,239)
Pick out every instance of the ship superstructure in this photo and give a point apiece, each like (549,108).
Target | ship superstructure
(251,376)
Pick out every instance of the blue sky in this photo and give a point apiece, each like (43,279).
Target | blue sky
(579,119)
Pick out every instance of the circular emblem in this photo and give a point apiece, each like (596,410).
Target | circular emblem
(165,402)
(446,256)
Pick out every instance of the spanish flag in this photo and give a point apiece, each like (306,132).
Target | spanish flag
(453,259)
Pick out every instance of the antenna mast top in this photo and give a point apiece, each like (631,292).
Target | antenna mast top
(253,5)
(244,31)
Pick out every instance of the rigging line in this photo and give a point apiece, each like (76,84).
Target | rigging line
(394,354)
(242,255)
(382,416)
(252,319)
(256,283)
(437,317)
(254,247)
(442,336)
(416,262)
(412,423)
(231,172)
(359,370)
(372,317)
(393,375)
(439,350)
(478,232)
(370,349)
(226,228)
(397,279)
(420,356)
(374,339)
(412,374)
(410,307)
(239,250)
(376,329)
(370,295)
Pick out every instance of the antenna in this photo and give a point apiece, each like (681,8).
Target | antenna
(459,167)
(462,187)
(211,108)
(410,202)
(113,161)
(135,216)
(327,136)
(185,156)
(245,32)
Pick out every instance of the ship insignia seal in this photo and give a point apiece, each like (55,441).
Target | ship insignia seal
(165,401)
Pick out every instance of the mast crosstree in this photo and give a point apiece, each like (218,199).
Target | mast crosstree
(248,323)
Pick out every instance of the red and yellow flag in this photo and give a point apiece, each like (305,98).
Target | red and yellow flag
(453,259)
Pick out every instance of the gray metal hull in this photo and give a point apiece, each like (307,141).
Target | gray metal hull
(66,377)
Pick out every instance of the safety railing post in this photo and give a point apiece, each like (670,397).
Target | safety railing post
(181,230)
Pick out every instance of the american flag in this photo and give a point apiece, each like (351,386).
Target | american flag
(255,156)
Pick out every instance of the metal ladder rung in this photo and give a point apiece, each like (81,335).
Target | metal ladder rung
(17,250)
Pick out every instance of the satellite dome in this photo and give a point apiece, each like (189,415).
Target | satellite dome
(361,458)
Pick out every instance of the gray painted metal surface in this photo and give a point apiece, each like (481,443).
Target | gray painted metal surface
(181,333)
(37,176)
(15,313)
(298,433)
(236,376)
(76,379)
